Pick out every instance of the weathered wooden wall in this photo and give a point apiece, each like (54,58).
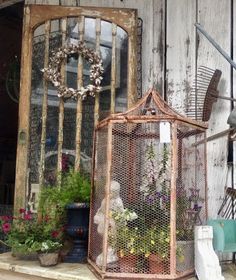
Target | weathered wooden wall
(171,52)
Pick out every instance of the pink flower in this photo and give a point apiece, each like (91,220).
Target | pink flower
(22,210)
(5,218)
(55,234)
(6,227)
(27,216)
(46,218)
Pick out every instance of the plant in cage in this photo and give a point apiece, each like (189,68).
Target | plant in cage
(156,170)
(153,204)
(155,247)
(125,239)
(187,212)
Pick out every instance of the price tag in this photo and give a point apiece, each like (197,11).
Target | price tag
(164,132)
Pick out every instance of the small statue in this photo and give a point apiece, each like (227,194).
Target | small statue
(116,204)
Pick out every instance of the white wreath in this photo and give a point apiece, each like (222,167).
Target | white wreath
(53,72)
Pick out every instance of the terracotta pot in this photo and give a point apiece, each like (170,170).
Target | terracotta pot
(48,259)
(128,263)
(156,264)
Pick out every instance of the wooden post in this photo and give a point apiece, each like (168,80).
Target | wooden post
(61,108)
(98,35)
(107,196)
(79,102)
(45,106)
(173,201)
(113,69)
(21,181)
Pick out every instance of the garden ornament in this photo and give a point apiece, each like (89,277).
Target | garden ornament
(207,265)
(116,204)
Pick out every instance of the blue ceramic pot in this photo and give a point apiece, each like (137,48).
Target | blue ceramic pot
(77,229)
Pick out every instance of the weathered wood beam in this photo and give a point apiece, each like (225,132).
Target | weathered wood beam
(7,3)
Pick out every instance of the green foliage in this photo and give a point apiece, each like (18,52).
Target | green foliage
(26,231)
(47,246)
(157,241)
(75,187)
(124,238)
(127,241)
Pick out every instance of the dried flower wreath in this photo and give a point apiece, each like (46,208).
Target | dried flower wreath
(53,72)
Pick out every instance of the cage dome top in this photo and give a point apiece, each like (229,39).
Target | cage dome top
(152,107)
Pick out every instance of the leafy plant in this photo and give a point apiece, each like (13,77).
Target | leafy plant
(127,241)
(47,246)
(156,241)
(75,187)
(123,237)
(25,231)
(187,211)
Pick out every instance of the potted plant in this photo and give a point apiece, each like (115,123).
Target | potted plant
(21,234)
(27,236)
(125,239)
(70,202)
(155,247)
(188,210)
(48,251)
(49,243)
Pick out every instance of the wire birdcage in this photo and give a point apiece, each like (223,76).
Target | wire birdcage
(149,191)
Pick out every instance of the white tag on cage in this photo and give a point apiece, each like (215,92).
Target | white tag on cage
(164,132)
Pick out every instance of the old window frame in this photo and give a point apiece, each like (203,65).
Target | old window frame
(35,15)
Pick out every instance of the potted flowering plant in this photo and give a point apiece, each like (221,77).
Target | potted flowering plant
(50,241)
(5,226)
(27,236)
(21,234)
(125,239)
(155,247)
(48,251)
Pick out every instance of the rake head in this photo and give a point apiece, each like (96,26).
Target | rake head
(203,94)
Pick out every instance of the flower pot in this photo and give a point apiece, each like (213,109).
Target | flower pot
(156,264)
(77,229)
(48,259)
(128,263)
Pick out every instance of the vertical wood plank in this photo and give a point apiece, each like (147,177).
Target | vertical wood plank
(97,98)
(44,106)
(217,150)
(158,47)
(61,107)
(70,3)
(113,69)
(152,14)
(21,182)
(180,62)
(79,102)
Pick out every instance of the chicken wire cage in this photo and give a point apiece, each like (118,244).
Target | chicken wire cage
(148,192)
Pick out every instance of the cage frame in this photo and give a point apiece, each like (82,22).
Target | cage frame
(169,115)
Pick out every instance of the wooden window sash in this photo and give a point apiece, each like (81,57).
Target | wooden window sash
(36,15)
(81,27)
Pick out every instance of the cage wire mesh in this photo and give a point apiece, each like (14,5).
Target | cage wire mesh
(148,193)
